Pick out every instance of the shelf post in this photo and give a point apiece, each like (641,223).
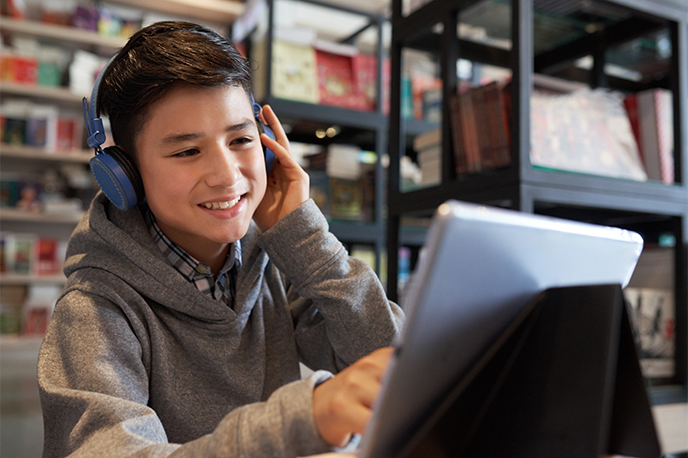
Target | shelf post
(522,87)
(449,57)
(394,144)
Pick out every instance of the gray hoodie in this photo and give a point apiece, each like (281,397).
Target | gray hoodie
(136,361)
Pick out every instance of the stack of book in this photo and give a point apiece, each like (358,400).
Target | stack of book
(428,147)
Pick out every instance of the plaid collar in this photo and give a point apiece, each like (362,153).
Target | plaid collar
(196,272)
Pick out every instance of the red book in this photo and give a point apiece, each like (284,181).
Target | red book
(365,79)
(336,81)
(631,104)
(46,257)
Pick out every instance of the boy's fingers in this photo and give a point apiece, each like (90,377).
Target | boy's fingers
(275,125)
(280,152)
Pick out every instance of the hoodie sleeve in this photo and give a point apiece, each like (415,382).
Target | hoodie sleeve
(340,310)
(93,382)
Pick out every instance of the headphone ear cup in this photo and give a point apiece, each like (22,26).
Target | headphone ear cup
(118,177)
(269,155)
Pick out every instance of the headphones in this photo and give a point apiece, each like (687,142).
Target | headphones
(115,173)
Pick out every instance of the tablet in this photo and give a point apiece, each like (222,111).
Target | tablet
(480,268)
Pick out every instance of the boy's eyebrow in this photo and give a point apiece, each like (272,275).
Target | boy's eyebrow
(179,138)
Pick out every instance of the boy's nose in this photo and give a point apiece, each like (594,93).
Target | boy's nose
(223,168)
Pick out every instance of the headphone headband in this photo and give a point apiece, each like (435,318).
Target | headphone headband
(94,125)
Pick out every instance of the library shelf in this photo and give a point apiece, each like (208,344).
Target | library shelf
(651,207)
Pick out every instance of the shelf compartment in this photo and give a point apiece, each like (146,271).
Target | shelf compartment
(18,152)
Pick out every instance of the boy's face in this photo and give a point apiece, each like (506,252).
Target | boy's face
(202,166)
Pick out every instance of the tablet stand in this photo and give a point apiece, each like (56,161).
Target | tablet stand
(564,381)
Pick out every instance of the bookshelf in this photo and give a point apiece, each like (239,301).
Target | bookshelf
(55,165)
(525,46)
(261,28)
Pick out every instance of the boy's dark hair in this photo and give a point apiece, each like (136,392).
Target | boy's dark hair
(155,59)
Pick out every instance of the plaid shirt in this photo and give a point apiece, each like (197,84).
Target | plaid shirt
(196,272)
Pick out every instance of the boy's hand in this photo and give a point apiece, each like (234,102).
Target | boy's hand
(288,184)
(342,404)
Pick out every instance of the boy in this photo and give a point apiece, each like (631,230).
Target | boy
(182,323)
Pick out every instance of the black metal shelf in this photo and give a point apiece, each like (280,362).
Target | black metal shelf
(368,129)
(652,206)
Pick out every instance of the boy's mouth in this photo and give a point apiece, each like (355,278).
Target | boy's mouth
(221,205)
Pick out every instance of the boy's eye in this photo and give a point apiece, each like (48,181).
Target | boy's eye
(241,140)
(187,153)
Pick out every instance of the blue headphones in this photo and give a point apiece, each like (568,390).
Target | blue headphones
(115,173)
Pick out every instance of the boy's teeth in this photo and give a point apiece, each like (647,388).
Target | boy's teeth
(221,205)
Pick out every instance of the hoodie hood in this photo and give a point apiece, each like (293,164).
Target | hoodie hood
(118,242)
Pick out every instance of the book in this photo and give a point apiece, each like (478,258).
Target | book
(343,161)
(19,253)
(464,134)
(346,199)
(38,308)
(649,134)
(12,299)
(631,105)
(46,262)
(336,83)
(655,119)
(652,313)
(586,131)
(650,296)
(294,72)
(427,139)
(430,161)
(420,84)
(364,68)
(68,133)
(41,126)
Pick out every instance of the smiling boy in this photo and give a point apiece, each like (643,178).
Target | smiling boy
(183,320)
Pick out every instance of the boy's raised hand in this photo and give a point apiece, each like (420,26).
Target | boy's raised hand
(342,405)
(288,184)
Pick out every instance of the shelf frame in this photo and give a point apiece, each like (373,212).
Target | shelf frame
(61,33)
(11,214)
(21,152)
